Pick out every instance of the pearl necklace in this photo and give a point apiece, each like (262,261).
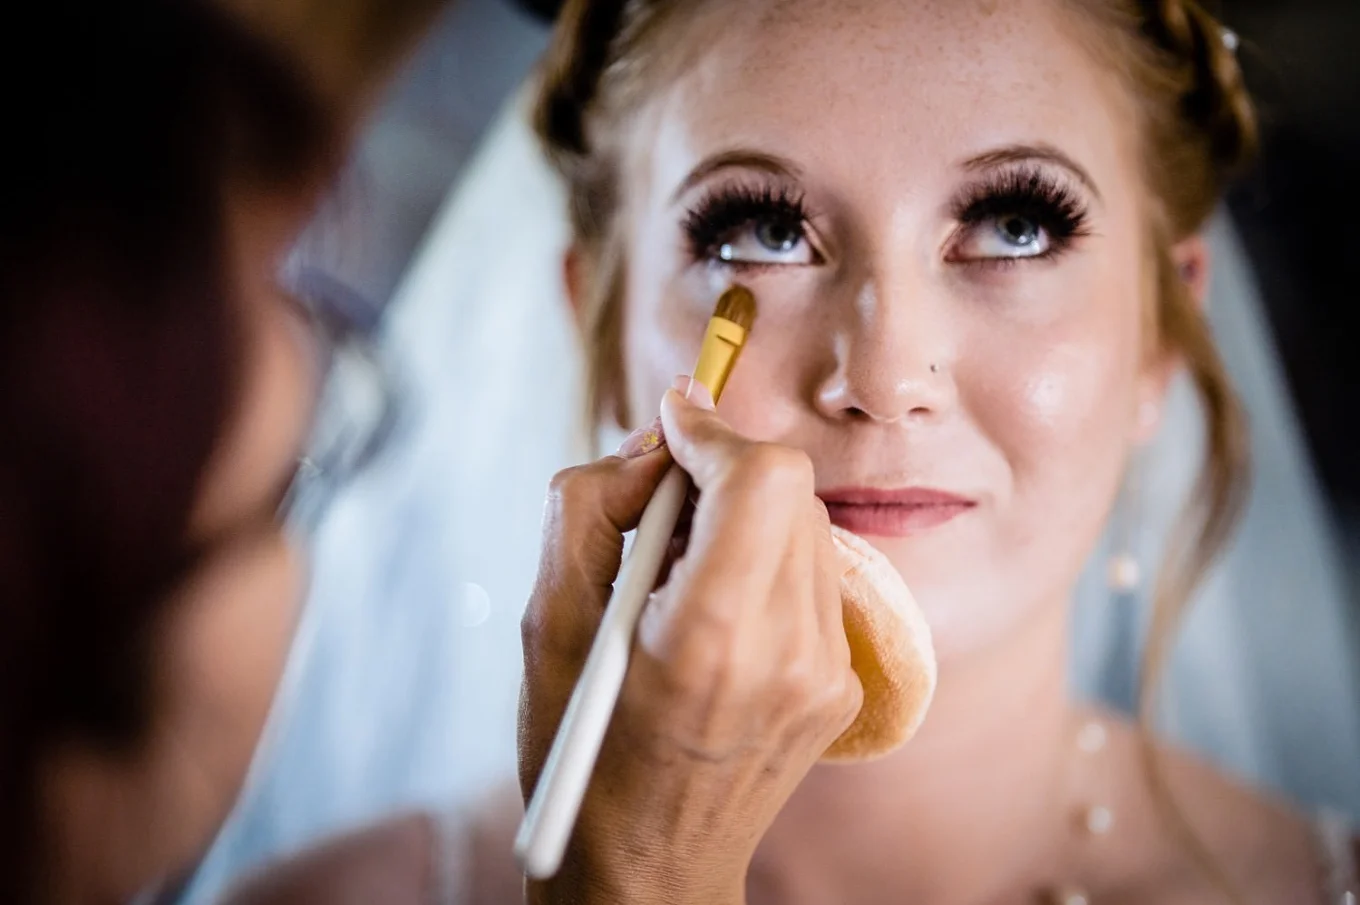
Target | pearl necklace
(1333,838)
(1096,819)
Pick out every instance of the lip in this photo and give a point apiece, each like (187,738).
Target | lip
(893,513)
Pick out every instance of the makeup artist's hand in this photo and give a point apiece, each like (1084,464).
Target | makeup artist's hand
(740,678)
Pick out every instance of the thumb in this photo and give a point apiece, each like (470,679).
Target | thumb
(701,442)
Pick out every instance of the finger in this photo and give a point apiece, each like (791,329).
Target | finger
(744,522)
(826,581)
(588,510)
(590,507)
(738,546)
(701,442)
(831,618)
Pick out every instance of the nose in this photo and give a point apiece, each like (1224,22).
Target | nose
(893,357)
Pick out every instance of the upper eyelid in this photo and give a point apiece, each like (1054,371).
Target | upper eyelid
(989,182)
(752,161)
(734,177)
(1043,155)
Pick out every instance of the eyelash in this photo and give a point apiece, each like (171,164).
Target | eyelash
(1031,194)
(719,216)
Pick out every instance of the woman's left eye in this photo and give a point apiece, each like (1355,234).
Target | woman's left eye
(767,241)
(1006,236)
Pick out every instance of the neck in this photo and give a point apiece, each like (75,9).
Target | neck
(978,785)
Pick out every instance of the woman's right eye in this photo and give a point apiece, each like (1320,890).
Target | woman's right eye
(766,241)
(760,227)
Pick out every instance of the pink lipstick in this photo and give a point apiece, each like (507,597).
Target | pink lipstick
(892,513)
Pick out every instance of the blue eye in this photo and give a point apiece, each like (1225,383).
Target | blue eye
(738,225)
(1017,215)
(767,242)
(1006,236)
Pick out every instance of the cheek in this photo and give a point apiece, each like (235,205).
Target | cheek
(664,321)
(655,350)
(1058,401)
(766,397)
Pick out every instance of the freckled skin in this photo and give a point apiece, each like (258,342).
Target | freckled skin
(1039,368)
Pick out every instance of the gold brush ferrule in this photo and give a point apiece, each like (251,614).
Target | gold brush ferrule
(723,341)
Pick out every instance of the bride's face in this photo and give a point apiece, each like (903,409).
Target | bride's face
(938,207)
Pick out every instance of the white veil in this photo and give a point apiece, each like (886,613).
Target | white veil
(1265,678)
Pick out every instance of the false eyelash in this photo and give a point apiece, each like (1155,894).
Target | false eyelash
(1030,193)
(715,219)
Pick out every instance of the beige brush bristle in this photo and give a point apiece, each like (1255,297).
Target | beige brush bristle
(737,305)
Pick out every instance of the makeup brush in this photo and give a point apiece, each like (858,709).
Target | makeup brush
(556,801)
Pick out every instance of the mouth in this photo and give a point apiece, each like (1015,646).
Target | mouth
(893,513)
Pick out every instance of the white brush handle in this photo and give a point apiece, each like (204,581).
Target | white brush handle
(548,823)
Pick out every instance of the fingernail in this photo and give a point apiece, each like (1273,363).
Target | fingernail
(643,440)
(700,396)
(693,390)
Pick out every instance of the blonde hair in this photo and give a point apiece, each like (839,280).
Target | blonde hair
(1199,132)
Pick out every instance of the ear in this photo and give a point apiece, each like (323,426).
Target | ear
(575,278)
(1192,259)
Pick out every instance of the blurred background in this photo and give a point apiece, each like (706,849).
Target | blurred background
(447,219)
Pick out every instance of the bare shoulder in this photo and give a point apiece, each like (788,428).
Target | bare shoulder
(493,876)
(391,862)
(1198,829)
(402,861)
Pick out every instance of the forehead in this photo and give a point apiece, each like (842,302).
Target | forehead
(890,86)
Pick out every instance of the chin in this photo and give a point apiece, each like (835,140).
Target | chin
(967,609)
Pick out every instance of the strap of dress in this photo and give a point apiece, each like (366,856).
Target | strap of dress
(1337,855)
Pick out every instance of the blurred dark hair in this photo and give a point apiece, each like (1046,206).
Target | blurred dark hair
(125,123)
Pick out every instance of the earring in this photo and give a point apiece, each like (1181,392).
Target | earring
(1117,684)
(1123,571)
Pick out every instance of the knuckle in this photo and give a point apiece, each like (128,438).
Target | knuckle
(540,630)
(833,691)
(802,684)
(569,487)
(531,626)
(699,658)
(845,693)
(852,697)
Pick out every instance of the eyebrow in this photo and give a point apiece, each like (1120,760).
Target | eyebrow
(744,158)
(1023,153)
(747,158)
